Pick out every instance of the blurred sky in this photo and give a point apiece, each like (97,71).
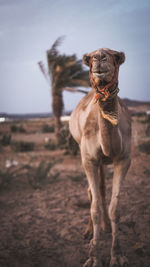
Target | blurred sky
(29,27)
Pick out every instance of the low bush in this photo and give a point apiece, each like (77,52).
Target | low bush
(14,128)
(145,147)
(147,119)
(67,142)
(37,176)
(6,139)
(42,174)
(50,145)
(147,131)
(5,178)
(46,128)
(21,129)
(17,129)
(23,146)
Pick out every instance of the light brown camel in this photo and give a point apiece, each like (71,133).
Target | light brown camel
(101,126)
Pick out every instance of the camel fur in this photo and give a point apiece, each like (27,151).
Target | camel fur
(101,125)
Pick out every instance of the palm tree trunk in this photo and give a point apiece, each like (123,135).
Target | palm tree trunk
(57,111)
(57,126)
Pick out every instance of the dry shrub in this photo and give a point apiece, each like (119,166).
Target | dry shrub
(6,139)
(50,145)
(145,147)
(5,178)
(46,128)
(147,131)
(14,128)
(17,129)
(42,174)
(67,142)
(72,146)
(23,146)
(147,120)
(35,175)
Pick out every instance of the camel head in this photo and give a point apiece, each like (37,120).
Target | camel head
(104,66)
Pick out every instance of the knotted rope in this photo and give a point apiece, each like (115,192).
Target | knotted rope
(104,93)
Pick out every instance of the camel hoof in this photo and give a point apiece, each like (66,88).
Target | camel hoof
(92,262)
(119,261)
(97,263)
(88,263)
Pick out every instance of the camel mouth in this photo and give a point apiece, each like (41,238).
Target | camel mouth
(100,72)
(101,75)
(98,75)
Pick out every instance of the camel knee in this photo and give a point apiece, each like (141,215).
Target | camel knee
(95,212)
(112,214)
(113,210)
(89,194)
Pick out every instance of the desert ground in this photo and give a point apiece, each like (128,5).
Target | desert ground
(44,206)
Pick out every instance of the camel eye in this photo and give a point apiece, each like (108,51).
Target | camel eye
(96,57)
(103,57)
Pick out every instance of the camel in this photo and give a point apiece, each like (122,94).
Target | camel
(101,125)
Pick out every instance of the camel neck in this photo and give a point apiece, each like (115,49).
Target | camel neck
(108,121)
(109,110)
(109,105)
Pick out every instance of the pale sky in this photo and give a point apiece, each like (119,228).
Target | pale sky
(29,27)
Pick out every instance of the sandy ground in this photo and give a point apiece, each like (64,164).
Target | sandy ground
(44,227)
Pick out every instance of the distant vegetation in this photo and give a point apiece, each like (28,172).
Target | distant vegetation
(41,174)
(22,146)
(6,139)
(145,147)
(36,175)
(17,129)
(46,128)
(50,145)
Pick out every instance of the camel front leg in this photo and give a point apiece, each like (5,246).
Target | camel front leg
(105,222)
(120,170)
(91,170)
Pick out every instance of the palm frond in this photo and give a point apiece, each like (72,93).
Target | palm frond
(79,82)
(53,50)
(74,90)
(66,71)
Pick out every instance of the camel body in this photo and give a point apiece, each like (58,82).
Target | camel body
(103,132)
(102,139)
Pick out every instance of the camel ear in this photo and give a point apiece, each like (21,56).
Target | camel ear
(86,59)
(120,57)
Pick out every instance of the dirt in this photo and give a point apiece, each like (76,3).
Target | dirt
(44,227)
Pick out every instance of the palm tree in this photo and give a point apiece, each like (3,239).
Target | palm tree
(66,73)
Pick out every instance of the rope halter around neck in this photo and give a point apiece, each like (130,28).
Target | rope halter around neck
(104,93)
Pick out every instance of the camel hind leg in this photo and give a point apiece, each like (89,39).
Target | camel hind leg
(105,221)
(88,234)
